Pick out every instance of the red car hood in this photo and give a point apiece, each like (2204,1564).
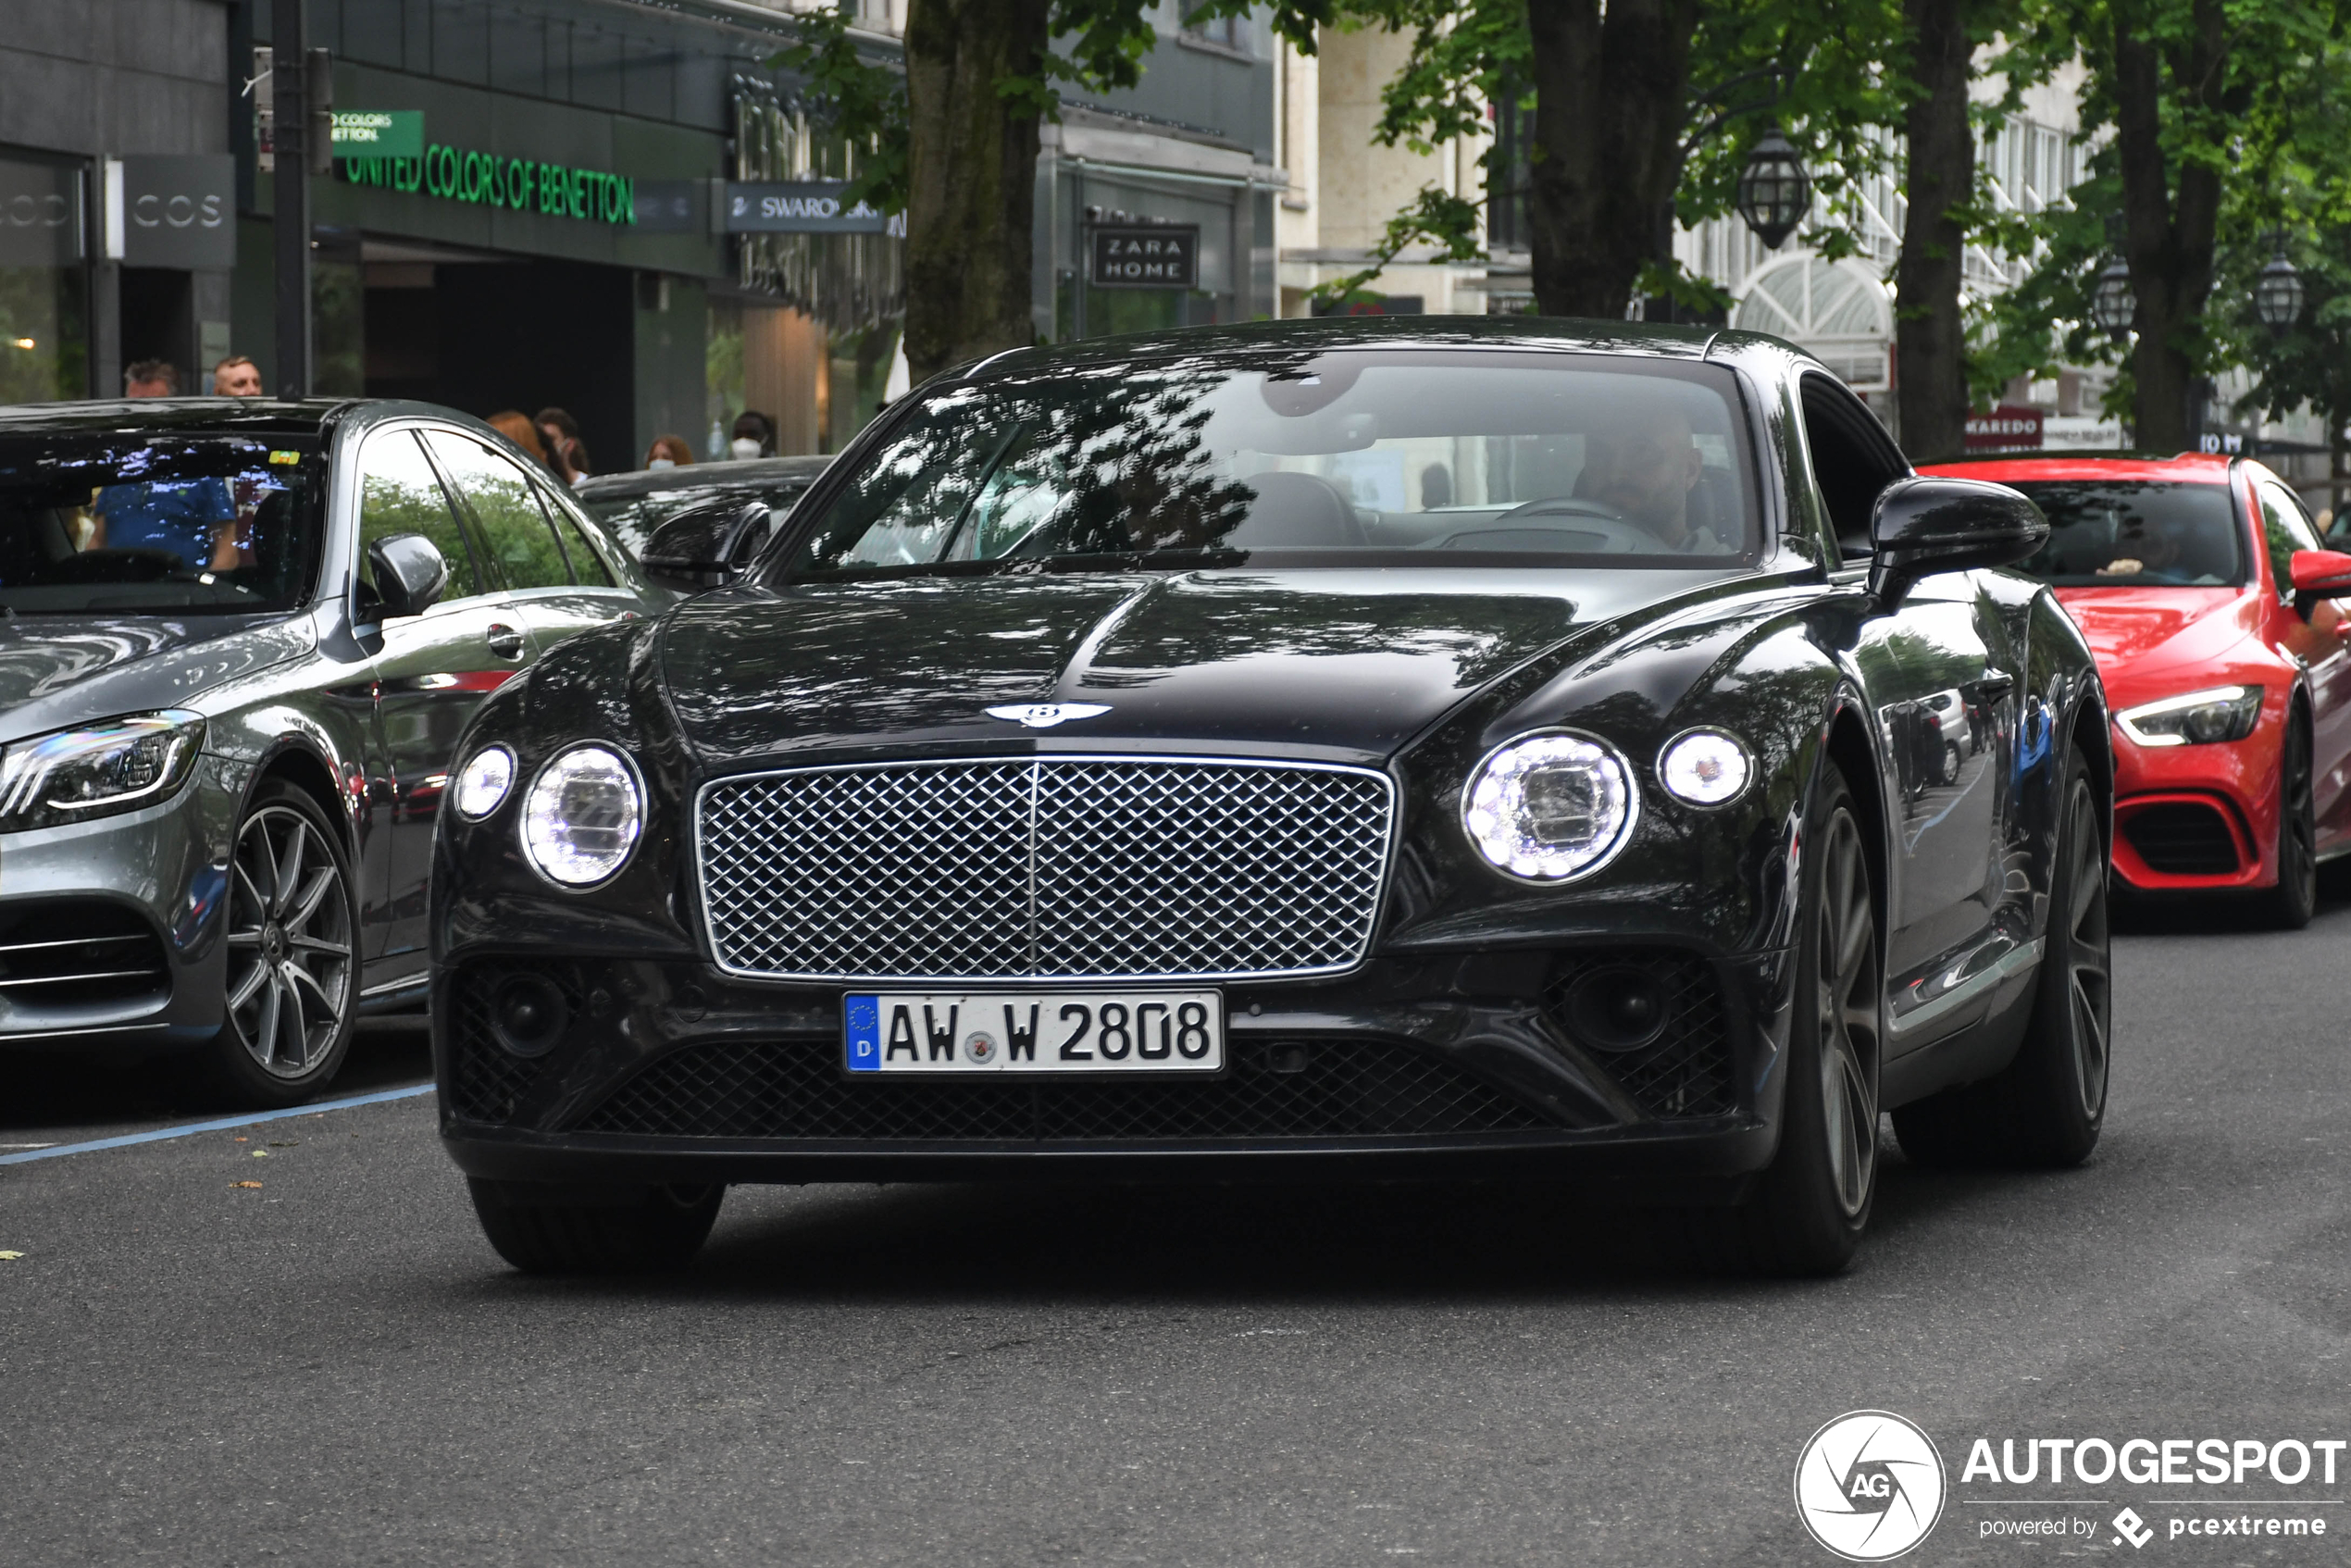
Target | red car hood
(2133,630)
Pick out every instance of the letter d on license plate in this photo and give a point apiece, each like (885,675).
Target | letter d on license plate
(1033,1031)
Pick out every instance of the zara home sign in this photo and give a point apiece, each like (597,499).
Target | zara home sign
(1146,255)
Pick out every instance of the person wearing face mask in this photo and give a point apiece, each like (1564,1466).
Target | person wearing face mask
(668,452)
(755,435)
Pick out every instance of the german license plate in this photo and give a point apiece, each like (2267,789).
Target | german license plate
(1108,1031)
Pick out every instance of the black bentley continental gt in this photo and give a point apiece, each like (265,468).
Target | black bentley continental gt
(1348,746)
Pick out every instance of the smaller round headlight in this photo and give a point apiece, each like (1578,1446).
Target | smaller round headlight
(1550,807)
(582,817)
(483,782)
(1705,767)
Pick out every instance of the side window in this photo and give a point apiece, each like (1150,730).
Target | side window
(2285,530)
(1852,460)
(400,494)
(523,550)
(587,562)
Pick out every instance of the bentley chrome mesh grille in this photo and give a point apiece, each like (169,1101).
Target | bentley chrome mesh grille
(1050,867)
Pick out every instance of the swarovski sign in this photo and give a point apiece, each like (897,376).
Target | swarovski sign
(803,207)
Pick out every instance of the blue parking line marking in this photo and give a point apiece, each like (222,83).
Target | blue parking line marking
(223,1125)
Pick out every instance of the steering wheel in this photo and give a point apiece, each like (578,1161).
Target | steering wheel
(1620,534)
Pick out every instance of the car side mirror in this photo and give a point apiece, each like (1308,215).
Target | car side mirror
(1927,524)
(2317,574)
(705,546)
(410,574)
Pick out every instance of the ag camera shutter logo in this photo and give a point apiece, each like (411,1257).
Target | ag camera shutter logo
(1869,1485)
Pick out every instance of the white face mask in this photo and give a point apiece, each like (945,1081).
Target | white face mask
(743,446)
(661,463)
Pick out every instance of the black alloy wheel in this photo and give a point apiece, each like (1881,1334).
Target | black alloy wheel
(1808,1211)
(548,1228)
(292,970)
(2290,904)
(2048,1106)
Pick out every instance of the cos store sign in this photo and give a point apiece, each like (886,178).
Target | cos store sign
(462,174)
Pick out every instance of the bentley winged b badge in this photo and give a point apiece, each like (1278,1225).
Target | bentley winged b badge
(1044,715)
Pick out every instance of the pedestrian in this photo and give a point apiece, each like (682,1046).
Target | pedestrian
(668,452)
(515,426)
(236,377)
(151,378)
(755,435)
(566,455)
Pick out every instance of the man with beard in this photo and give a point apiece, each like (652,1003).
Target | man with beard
(1644,461)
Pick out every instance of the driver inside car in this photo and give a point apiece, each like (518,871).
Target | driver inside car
(1643,460)
(181,516)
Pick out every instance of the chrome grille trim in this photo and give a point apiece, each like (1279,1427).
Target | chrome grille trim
(1115,867)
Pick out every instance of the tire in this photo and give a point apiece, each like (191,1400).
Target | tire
(2048,1106)
(1952,763)
(291,984)
(1808,1211)
(550,1229)
(2289,905)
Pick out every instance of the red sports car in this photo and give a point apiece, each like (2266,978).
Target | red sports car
(2204,590)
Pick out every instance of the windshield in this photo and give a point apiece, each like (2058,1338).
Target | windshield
(634,517)
(130,524)
(2118,533)
(1339,459)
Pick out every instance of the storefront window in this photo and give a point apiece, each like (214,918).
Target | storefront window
(45,333)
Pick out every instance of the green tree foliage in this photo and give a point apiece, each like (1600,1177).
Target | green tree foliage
(1657,107)
(2200,113)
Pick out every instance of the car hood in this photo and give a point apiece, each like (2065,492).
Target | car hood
(1341,660)
(2135,630)
(60,670)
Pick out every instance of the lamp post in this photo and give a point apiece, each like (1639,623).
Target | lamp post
(1774,192)
(2277,292)
(2112,305)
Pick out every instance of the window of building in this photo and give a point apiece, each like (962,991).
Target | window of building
(44,332)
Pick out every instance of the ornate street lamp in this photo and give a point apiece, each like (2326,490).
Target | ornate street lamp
(2277,293)
(1774,192)
(2112,305)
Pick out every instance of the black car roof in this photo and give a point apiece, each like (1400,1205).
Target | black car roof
(187,416)
(1244,343)
(749,473)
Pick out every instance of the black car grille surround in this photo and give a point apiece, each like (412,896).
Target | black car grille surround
(1131,867)
(1273,1091)
(487,1081)
(77,953)
(2183,839)
(1678,1064)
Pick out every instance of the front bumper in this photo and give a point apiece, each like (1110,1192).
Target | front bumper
(2198,818)
(1462,1063)
(110,929)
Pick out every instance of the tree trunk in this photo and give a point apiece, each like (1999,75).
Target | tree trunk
(2167,235)
(1929,342)
(1611,96)
(971,175)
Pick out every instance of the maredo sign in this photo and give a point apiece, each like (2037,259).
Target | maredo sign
(2009,428)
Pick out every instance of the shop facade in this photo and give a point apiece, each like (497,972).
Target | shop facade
(116,226)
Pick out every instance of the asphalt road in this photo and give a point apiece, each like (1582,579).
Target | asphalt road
(333,1368)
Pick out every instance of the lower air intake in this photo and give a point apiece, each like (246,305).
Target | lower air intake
(1282,1089)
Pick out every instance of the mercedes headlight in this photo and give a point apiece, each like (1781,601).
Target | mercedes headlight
(1550,807)
(2194,719)
(75,775)
(582,817)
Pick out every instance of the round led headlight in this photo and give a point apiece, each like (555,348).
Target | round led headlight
(483,782)
(1705,767)
(1550,807)
(582,817)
